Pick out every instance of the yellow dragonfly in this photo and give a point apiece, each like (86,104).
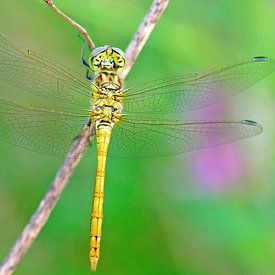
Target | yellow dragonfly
(130,119)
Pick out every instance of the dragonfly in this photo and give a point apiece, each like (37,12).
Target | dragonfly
(134,120)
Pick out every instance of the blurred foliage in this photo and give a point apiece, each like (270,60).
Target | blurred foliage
(160,218)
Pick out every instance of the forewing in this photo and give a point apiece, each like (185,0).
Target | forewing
(40,129)
(188,92)
(150,138)
(40,76)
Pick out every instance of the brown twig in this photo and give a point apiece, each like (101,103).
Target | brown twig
(73,23)
(144,30)
(51,197)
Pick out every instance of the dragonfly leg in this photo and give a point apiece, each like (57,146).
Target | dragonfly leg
(88,77)
(84,44)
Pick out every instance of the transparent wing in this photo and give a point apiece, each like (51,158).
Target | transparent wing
(150,138)
(40,76)
(40,129)
(188,92)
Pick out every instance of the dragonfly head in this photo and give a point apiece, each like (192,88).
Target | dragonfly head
(107,57)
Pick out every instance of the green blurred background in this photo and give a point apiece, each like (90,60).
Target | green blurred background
(205,212)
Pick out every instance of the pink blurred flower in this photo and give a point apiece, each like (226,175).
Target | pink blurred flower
(219,166)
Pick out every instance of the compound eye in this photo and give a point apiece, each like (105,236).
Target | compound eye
(119,51)
(119,57)
(98,50)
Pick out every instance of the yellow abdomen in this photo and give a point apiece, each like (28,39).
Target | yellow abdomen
(103,139)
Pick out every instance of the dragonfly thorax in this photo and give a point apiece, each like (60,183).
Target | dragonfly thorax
(108,80)
(107,99)
(107,109)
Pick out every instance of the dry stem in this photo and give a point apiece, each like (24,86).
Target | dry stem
(73,23)
(51,197)
(144,30)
